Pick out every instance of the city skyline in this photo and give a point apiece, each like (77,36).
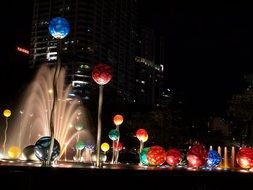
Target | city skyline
(209,48)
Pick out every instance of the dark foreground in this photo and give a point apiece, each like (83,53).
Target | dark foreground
(119,177)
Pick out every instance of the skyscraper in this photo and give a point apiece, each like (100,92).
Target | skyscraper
(149,67)
(101,31)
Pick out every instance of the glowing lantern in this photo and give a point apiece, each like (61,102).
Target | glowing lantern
(197,156)
(244,157)
(79,127)
(214,158)
(59,27)
(117,148)
(7,113)
(14,152)
(156,155)
(102,74)
(105,147)
(173,157)
(143,156)
(118,119)
(142,135)
(80,145)
(114,134)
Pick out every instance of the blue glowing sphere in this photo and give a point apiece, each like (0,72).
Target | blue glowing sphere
(41,148)
(59,27)
(114,134)
(214,159)
(143,156)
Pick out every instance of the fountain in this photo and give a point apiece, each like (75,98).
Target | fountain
(71,121)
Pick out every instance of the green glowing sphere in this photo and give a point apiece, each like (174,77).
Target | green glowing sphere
(143,156)
(79,126)
(80,145)
(114,134)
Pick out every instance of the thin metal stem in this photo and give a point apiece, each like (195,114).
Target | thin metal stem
(99,127)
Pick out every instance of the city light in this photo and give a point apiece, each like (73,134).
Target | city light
(22,50)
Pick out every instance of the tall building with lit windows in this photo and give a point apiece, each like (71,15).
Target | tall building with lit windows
(149,67)
(101,31)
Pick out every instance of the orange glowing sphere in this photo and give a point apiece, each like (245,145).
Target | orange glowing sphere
(7,113)
(105,147)
(118,119)
(142,135)
(156,155)
(14,152)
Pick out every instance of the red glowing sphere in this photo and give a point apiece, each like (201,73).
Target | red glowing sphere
(156,155)
(244,157)
(117,148)
(102,74)
(173,156)
(197,156)
(142,135)
(118,119)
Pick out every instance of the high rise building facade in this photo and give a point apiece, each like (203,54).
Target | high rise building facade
(101,32)
(149,67)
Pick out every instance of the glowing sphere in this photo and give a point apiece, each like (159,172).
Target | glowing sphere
(244,157)
(42,147)
(142,135)
(214,158)
(197,156)
(79,126)
(156,155)
(14,152)
(173,157)
(80,145)
(59,27)
(143,156)
(7,113)
(118,119)
(28,153)
(102,74)
(105,147)
(114,134)
(117,148)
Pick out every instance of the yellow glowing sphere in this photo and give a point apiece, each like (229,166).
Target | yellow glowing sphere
(7,113)
(14,152)
(105,147)
(118,119)
(144,138)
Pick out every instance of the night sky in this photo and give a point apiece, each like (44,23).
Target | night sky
(209,48)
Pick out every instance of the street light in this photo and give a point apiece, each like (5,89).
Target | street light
(59,29)
(7,114)
(101,74)
(117,120)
